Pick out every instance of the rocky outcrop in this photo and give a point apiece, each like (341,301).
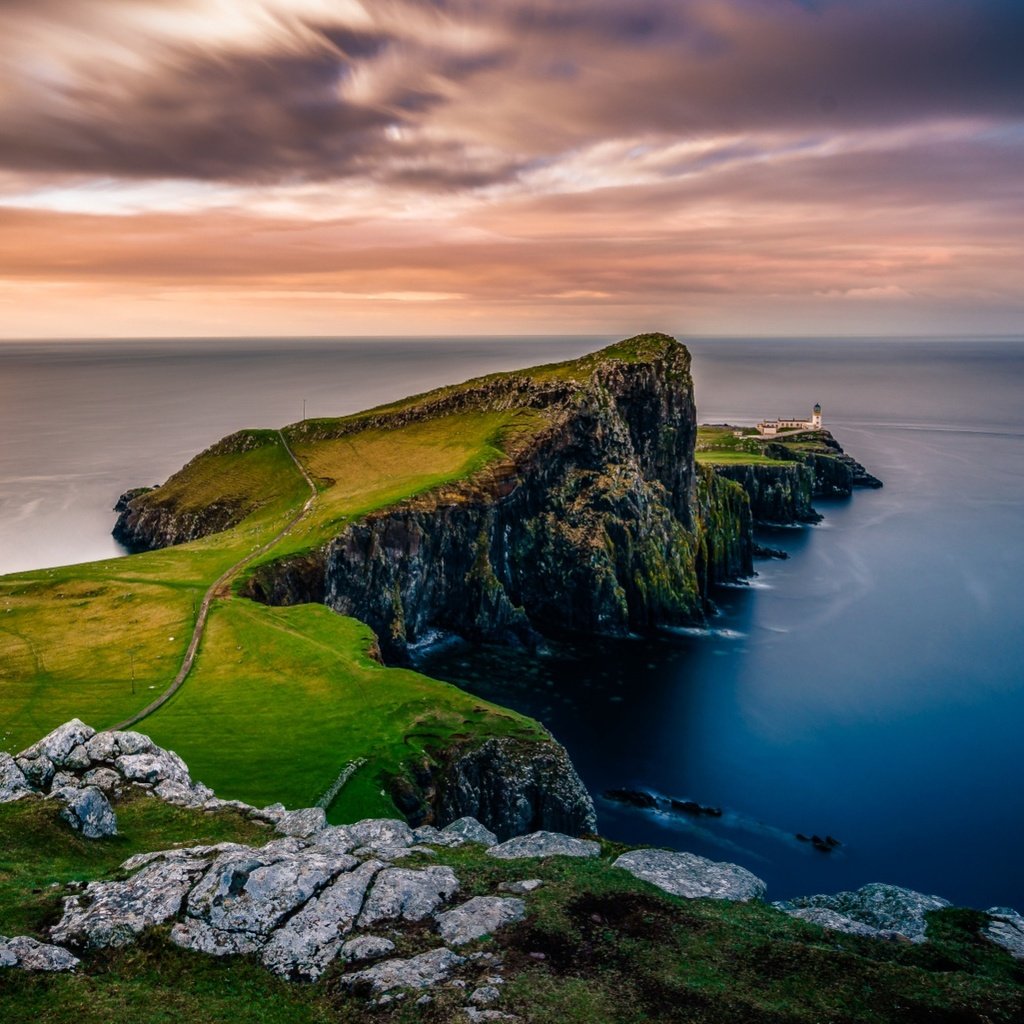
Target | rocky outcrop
(84,769)
(88,811)
(778,494)
(32,955)
(544,844)
(885,908)
(480,916)
(158,517)
(1006,929)
(513,786)
(686,874)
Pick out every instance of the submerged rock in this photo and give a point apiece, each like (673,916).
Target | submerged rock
(544,844)
(884,907)
(686,874)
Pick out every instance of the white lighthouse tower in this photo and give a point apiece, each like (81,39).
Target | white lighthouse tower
(816,417)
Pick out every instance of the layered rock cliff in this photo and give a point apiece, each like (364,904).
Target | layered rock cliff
(816,467)
(596,524)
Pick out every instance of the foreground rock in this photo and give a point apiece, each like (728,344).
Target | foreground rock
(88,811)
(83,768)
(886,908)
(544,844)
(1006,929)
(686,874)
(835,922)
(32,955)
(481,916)
(418,972)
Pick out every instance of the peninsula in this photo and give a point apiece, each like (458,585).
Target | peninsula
(264,629)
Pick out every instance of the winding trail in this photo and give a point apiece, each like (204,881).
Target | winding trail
(219,588)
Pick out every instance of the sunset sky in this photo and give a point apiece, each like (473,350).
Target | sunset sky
(211,167)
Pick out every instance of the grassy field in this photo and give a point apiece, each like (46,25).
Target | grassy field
(279,699)
(597,947)
(722,447)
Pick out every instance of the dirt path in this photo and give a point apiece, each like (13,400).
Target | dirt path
(221,588)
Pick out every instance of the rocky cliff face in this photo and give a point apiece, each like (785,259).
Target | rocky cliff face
(513,786)
(597,525)
(778,494)
(784,494)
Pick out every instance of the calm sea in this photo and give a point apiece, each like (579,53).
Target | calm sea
(870,687)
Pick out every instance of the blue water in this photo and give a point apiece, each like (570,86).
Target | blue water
(870,687)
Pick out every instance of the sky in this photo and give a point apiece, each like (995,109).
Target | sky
(332,167)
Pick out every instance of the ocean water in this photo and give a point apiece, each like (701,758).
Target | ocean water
(870,687)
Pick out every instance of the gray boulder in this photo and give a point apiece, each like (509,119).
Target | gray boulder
(408,894)
(380,833)
(38,771)
(418,972)
(472,831)
(88,811)
(306,944)
(302,824)
(32,955)
(521,887)
(888,908)
(78,759)
(56,745)
(13,783)
(104,778)
(194,795)
(480,916)
(544,844)
(107,747)
(686,874)
(153,768)
(199,936)
(1006,929)
(366,947)
(248,891)
(835,922)
(436,837)
(114,913)
(333,839)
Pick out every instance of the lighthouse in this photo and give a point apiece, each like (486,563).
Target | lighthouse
(816,417)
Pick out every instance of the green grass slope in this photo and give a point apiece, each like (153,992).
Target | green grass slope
(279,700)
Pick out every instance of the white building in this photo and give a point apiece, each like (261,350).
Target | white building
(771,427)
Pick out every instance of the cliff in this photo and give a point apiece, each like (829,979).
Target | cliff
(594,523)
(782,477)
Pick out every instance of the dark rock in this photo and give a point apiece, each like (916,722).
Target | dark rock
(633,797)
(514,786)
